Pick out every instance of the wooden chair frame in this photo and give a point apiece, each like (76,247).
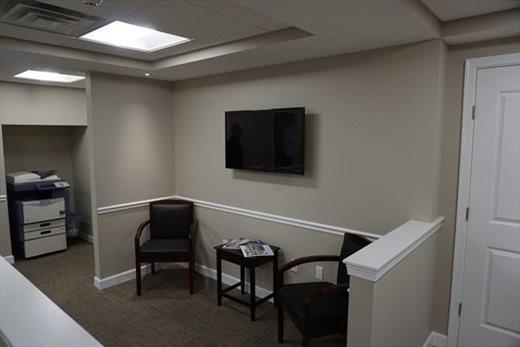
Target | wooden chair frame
(333,290)
(165,257)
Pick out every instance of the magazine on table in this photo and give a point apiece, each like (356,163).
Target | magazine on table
(256,249)
(235,243)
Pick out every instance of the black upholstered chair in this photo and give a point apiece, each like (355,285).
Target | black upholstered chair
(172,232)
(318,308)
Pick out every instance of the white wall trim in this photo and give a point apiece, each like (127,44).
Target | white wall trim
(125,276)
(439,340)
(129,205)
(435,339)
(300,223)
(86,237)
(466,148)
(3,198)
(227,279)
(203,270)
(10,259)
(230,280)
(429,341)
(376,259)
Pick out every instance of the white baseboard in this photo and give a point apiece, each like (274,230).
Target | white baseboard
(229,280)
(435,339)
(86,237)
(110,281)
(439,340)
(226,278)
(107,282)
(429,341)
(10,259)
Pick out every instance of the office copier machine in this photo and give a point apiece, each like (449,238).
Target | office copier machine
(38,212)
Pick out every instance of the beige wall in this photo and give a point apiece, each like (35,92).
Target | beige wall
(450,163)
(397,309)
(116,240)
(28,148)
(373,146)
(294,242)
(373,152)
(360,312)
(82,177)
(53,147)
(132,150)
(26,104)
(5,238)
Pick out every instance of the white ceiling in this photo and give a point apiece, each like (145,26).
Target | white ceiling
(205,22)
(447,10)
(230,35)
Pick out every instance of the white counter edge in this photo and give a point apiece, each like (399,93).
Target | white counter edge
(28,317)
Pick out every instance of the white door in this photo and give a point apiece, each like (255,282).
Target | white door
(491,280)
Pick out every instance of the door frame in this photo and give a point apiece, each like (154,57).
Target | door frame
(466,148)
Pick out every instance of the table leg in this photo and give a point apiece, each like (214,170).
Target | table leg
(219,279)
(242,279)
(252,288)
(275,279)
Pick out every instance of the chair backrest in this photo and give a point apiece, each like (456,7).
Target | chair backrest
(351,244)
(170,219)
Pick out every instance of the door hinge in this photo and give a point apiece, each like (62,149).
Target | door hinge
(460,308)
(467,214)
(473,111)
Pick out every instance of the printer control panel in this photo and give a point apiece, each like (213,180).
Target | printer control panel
(61,184)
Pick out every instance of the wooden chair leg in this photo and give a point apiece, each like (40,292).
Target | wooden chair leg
(153,268)
(190,275)
(138,276)
(280,323)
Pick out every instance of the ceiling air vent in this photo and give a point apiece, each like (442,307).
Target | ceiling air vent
(41,16)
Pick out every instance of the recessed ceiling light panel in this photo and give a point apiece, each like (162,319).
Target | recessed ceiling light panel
(133,37)
(49,76)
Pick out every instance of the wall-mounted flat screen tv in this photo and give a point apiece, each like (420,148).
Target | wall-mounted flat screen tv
(266,140)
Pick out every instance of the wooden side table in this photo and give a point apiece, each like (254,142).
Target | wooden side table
(235,256)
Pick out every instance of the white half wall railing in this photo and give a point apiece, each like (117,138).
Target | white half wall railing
(299,223)
(373,261)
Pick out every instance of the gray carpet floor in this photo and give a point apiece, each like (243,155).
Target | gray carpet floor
(165,315)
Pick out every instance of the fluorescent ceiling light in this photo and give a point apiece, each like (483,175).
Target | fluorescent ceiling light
(134,37)
(49,76)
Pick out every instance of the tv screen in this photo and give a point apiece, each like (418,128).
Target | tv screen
(266,140)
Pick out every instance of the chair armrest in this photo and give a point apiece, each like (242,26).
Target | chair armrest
(139,233)
(311,259)
(193,229)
